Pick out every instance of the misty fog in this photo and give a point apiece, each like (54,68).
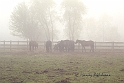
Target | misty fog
(103,20)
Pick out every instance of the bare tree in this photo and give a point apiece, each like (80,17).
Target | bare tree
(90,28)
(46,16)
(33,19)
(107,30)
(101,29)
(20,21)
(73,12)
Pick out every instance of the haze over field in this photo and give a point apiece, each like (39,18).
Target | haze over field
(96,10)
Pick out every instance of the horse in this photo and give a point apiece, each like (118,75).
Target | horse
(33,45)
(48,46)
(86,43)
(64,45)
(56,47)
(59,46)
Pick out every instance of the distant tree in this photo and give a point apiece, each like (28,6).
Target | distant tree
(46,15)
(90,28)
(101,29)
(23,22)
(107,31)
(33,19)
(73,11)
(112,34)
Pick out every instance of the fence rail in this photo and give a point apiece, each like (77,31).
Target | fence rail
(98,46)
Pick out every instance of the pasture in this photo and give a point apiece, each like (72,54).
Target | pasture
(32,67)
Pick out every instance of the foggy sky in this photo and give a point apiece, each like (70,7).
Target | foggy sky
(95,8)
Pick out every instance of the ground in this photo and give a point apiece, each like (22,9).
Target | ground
(77,67)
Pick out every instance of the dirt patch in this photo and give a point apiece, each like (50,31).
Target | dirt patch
(2,78)
(41,72)
(64,81)
(121,80)
(109,63)
(26,72)
(122,70)
(45,71)
(59,70)
(17,82)
(37,72)
(51,76)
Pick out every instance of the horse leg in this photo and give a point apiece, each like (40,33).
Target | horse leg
(84,49)
(50,49)
(67,49)
(92,49)
(30,48)
(33,48)
(47,49)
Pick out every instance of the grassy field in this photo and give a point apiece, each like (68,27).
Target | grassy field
(62,68)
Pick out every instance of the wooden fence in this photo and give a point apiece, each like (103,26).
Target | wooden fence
(98,46)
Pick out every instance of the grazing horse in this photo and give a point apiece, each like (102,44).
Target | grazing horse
(33,45)
(86,43)
(48,46)
(56,47)
(64,45)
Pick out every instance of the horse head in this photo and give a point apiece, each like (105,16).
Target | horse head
(77,41)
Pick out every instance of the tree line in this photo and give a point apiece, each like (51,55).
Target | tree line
(38,19)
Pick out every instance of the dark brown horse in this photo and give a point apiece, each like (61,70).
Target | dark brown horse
(48,46)
(86,43)
(64,45)
(56,47)
(33,45)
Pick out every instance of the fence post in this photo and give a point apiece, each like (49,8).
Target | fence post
(27,44)
(78,47)
(52,47)
(10,45)
(112,46)
(18,44)
(44,46)
(123,47)
(4,45)
(95,46)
